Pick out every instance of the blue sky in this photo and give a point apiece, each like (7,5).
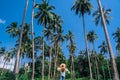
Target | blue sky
(12,11)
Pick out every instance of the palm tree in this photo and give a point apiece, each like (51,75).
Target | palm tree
(104,50)
(48,34)
(7,57)
(33,63)
(91,37)
(71,48)
(114,68)
(116,36)
(98,18)
(101,60)
(44,16)
(82,7)
(57,39)
(14,30)
(20,41)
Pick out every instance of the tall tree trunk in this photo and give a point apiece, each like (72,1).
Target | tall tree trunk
(103,72)
(84,28)
(73,71)
(33,62)
(55,61)
(20,42)
(96,62)
(95,71)
(114,67)
(50,63)
(109,70)
(20,60)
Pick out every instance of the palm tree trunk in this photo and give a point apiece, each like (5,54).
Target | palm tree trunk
(20,42)
(73,71)
(97,67)
(50,63)
(33,62)
(103,72)
(102,65)
(114,67)
(95,71)
(109,70)
(91,77)
(96,62)
(20,60)
(55,62)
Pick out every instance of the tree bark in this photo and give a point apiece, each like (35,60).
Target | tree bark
(114,67)
(50,63)
(109,70)
(55,61)
(20,42)
(96,62)
(73,72)
(90,69)
(33,62)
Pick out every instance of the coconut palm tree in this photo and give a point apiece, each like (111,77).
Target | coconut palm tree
(20,41)
(104,50)
(114,68)
(116,36)
(91,37)
(81,8)
(98,18)
(44,16)
(6,57)
(33,63)
(57,39)
(14,30)
(71,46)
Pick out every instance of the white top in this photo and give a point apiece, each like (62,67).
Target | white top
(62,73)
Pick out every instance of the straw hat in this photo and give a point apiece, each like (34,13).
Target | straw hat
(63,67)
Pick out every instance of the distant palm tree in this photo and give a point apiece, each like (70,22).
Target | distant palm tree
(104,50)
(57,39)
(72,48)
(91,37)
(116,36)
(33,61)
(103,19)
(7,57)
(44,16)
(14,30)
(82,7)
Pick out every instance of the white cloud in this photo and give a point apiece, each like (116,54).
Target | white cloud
(2,21)
(8,65)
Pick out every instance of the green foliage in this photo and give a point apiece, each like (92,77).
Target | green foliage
(7,75)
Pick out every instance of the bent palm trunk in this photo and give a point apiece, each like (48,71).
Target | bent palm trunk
(16,70)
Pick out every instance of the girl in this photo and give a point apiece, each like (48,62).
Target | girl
(62,70)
